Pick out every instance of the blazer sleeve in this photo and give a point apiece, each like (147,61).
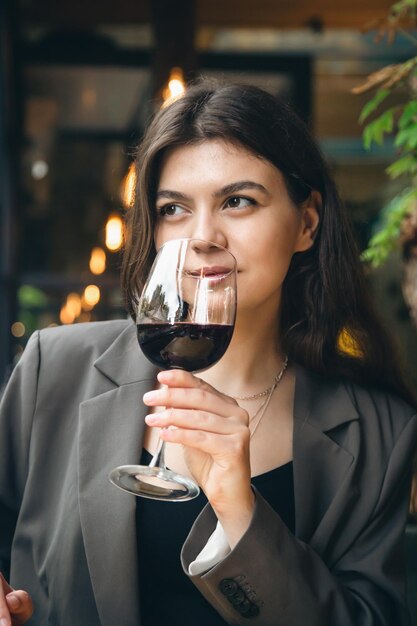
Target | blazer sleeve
(273,579)
(17,407)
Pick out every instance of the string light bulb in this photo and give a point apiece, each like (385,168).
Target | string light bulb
(114,233)
(66,316)
(175,88)
(128,187)
(18,329)
(90,297)
(97,263)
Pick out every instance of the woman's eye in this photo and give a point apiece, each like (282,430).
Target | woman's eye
(238,202)
(170,210)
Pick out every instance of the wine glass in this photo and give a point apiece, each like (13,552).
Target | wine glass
(185,320)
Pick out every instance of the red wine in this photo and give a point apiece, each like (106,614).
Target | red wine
(192,347)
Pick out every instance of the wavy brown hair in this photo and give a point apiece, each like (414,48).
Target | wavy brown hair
(324,293)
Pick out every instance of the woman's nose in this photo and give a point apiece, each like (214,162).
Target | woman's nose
(201,245)
(207,228)
(207,253)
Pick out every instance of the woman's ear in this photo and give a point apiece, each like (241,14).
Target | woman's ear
(310,218)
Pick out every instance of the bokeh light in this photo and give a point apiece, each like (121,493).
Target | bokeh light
(97,262)
(114,233)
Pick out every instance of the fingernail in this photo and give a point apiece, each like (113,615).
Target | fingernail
(13,602)
(149,396)
(4,621)
(151,419)
(165,374)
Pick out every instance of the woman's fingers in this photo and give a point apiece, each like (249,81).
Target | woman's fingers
(195,396)
(196,407)
(213,429)
(195,420)
(216,445)
(20,606)
(5,619)
(15,605)
(181,378)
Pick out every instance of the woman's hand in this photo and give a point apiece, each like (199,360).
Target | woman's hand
(214,431)
(15,606)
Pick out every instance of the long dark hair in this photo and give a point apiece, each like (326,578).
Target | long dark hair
(324,294)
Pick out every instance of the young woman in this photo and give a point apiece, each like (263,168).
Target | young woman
(302,447)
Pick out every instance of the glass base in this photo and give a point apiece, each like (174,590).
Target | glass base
(155,483)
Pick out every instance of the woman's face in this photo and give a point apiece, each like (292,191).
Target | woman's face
(220,192)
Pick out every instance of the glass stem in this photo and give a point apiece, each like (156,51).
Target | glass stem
(158,459)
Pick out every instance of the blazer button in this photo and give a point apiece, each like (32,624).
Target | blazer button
(245,606)
(248,610)
(228,587)
(237,598)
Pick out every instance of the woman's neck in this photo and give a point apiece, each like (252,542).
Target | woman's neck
(252,359)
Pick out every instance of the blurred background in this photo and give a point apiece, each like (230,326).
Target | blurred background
(78,83)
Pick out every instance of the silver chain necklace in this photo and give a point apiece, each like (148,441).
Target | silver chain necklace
(256,419)
(269,390)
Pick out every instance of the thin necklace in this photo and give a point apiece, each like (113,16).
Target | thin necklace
(268,390)
(256,419)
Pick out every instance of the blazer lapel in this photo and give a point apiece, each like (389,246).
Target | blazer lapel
(111,430)
(323,468)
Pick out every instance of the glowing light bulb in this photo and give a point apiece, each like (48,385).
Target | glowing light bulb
(129,187)
(18,329)
(97,262)
(39,169)
(175,88)
(66,316)
(90,297)
(114,233)
(73,304)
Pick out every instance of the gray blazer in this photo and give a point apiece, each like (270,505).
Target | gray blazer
(72,411)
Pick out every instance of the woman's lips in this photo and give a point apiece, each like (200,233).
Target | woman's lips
(215,271)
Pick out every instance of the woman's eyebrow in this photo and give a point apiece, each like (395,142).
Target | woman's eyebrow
(239,186)
(171,195)
(224,191)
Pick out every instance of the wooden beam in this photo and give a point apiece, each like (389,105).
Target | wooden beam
(289,13)
(81,14)
(215,13)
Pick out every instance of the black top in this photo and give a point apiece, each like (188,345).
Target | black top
(167,596)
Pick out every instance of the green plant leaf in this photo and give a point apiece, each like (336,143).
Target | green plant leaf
(29,296)
(407,138)
(387,238)
(374,256)
(373,104)
(399,7)
(407,164)
(408,115)
(374,131)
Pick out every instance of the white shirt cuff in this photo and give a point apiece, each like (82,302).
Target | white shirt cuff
(213,552)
